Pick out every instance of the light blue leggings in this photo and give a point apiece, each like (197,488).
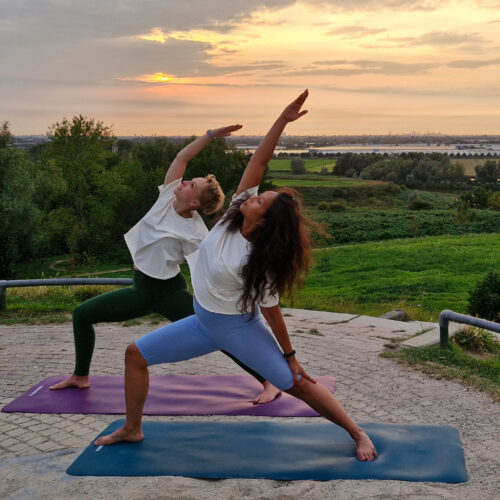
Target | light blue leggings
(246,338)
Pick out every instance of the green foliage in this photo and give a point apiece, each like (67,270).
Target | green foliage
(362,224)
(5,136)
(484,300)
(18,214)
(477,198)
(298,166)
(86,189)
(415,170)
(476,340)
(462,215)
(494,201)
(333,206)
(352,191)
(419,204)
(489,172)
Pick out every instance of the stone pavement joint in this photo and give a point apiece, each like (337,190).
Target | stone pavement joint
(347,347)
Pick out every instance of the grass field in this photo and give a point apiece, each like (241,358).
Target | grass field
(315,181)
(422,276)
(313,165)
(470,164)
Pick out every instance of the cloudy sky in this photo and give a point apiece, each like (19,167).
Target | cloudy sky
(179,67)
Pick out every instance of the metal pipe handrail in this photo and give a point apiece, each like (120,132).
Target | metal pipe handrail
(446,316)
(4,284)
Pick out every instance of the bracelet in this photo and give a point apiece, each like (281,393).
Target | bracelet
(210,134)
(289,354)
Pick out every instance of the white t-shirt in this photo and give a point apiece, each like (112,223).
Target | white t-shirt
(162,239)
(216,268)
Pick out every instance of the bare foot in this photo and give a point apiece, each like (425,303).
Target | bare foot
(270,393)
(121,435)
(80,382)
(365,451)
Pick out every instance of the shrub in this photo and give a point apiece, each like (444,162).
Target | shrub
(419,204)
(332,206)
(338,206)
(377,203)
(476,340)
(484,300)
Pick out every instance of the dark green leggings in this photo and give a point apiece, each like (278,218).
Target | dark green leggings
(170,298)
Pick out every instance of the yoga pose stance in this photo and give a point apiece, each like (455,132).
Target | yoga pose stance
(256,252)
(158,243)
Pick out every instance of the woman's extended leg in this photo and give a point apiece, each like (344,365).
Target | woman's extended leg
(118,305)
(252,343)
(184,339)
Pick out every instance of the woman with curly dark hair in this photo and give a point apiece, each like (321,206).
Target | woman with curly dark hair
(258,251)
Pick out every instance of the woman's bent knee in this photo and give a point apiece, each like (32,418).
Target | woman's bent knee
(300,388)
(134,356)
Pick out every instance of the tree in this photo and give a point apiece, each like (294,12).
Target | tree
(17,212)
(80,150)
(298,166)
(488,173)
(5,136)
(462,215)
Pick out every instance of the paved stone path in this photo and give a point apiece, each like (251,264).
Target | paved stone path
(36,449)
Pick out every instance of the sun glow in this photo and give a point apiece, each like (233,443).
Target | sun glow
(155,78)
(156,35)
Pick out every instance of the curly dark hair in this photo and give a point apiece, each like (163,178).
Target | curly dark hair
(281,249)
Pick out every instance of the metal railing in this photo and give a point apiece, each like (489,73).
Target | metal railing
(446,316)
(4,284)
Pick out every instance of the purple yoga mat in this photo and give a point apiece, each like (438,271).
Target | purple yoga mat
(168,395)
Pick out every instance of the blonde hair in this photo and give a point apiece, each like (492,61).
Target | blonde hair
(212,196)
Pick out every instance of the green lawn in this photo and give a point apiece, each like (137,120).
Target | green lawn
(423,276)
(420,275)
(313,165)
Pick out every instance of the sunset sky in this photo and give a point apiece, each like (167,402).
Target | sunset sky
(170,67)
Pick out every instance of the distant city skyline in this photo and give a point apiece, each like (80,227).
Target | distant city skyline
(171,68)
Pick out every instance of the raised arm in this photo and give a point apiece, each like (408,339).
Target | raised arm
(258,162)
(178,166)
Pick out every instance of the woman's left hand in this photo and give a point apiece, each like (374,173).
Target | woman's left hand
(292,112)
(297,370)
(225,131)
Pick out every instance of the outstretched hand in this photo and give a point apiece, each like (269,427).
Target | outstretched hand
(297,370)
(292,112)
(225,131)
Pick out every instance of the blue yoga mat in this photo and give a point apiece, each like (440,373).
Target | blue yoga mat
(278,450)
